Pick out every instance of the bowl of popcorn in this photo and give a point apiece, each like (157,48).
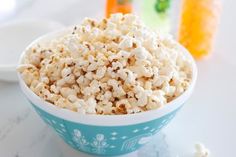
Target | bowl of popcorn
(107,86)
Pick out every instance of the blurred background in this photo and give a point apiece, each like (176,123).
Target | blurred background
(41,16)
(208,117)
(63,11)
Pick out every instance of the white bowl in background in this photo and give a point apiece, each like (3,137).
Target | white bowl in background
(14,37)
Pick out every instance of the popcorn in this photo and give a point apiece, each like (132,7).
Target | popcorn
(66,91)
(44,79)
(80,80)
(118,91)
(63,103)
(142,98)
(130,77)
(65,72)
(91,105)
(112,66)
(60,82)
(201,151)
(122,106)
(140,53)
(134,110)
(141,71)
(107,95)
(124,54)
(156,100)
(100,72)
(115,18)
(148,85)
(130,20)
(72,98)
(79,103)
(126,43)
(55,89)
(35,59)
(69,79)
(89,75)
(158,80)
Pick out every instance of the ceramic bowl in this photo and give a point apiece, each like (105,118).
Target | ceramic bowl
(105,135)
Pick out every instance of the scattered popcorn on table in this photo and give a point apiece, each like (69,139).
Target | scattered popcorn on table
(201,151)
(112,66)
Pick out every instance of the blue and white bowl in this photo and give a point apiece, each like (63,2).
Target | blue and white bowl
(105,135)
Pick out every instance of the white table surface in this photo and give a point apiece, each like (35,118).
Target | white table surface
(208,117)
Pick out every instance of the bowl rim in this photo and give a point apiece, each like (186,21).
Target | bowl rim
(104,120)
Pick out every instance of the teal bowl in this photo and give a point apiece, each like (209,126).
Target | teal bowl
(105,135)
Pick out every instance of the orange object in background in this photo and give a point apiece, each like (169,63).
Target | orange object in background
(118,6)
(199,19)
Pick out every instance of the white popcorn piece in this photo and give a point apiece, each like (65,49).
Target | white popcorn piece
(39,88)
(62,102)
(91,58)
(126,43)
(44,79)
(89,75)
(23,67)
(119,92)
(35,59)
(53,97)
(116,18)
(79,103)
(141,71)
(148,85)
(111,25)
(28,77)
(113,83)
(80,80)
(158,80)
(201,151)
(131,77)
(179,90)
(100,72)
(87,91)
(72,98)
(122,73)
(150,43)
(107,95)
(91,106)
(70,79)
(169,90)
(167,71)
(55,89)
(75,87)
(124,54)
(142,98)
(77,71)
(140,53)
(111,73)
(154,103)
(130,19)
(92,67)
(33,84)
(66,91)
(60,82)
(134,110)
(65,72)
(95,86)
